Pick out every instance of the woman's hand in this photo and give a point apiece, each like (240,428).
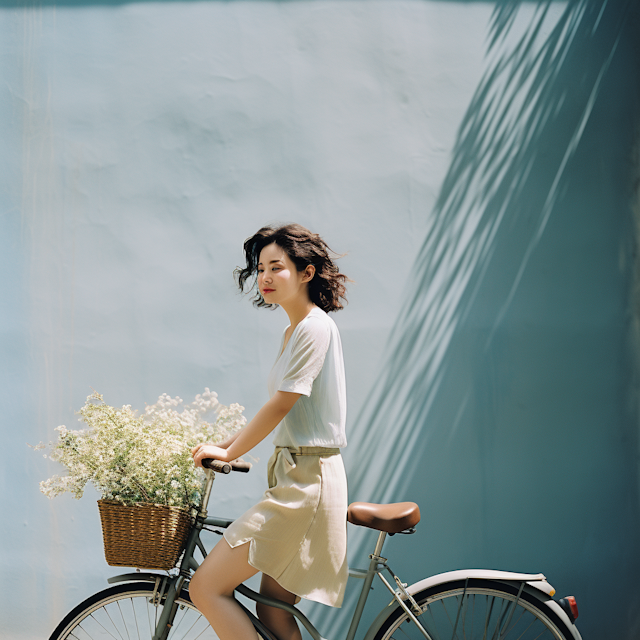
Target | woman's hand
(204,450)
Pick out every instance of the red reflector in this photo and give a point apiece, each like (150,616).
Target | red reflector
(574,606)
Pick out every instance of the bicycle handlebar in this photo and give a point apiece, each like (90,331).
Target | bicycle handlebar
(226,467)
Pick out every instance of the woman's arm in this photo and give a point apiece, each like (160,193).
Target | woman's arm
(225,444)
(229,441)
(264,422)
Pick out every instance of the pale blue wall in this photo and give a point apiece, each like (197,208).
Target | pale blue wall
(475,160)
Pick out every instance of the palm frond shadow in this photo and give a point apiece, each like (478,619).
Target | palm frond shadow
(511,166)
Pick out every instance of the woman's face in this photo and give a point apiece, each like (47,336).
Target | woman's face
(278,279)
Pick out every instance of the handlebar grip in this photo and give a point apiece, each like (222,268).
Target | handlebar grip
(216,465)
(241,465)
(226,467)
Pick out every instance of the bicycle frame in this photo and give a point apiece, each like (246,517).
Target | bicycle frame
(168,587)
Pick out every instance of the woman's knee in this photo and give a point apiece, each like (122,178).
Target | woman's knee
(220,573)
(198,588)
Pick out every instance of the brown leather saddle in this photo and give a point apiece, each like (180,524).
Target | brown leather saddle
(391,518)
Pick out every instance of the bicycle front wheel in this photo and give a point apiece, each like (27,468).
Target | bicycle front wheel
(477,610)
(128,612)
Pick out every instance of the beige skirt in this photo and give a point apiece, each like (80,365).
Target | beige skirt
(298,531)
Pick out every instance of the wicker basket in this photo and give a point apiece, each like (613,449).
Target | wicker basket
(147,536)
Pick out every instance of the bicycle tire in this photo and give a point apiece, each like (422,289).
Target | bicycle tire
(475,610)
(126,612)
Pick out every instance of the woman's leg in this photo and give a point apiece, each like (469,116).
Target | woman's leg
(281,623)
(211,590)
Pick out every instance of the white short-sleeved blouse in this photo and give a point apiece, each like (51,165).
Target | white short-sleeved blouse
(312,364)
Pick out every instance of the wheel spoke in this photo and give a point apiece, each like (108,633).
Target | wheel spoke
(124,624)
(152,627)
(196,638)
(174,629)
(404,633)
(505,607)
(107,631)
(191,627)
(460,614)
(486,622)
(444,606)
(434,625)
(514,624)
(464,617)
(135,617)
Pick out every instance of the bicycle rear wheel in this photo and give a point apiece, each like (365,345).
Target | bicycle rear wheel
(479,610)
(127,612)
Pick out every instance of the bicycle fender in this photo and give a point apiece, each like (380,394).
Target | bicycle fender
(535,580)
(135,577)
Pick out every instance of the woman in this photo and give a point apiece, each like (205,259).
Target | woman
(296,535)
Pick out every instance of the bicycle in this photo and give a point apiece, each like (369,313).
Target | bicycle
(467,604)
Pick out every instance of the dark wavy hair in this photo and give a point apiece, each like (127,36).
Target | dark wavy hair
(326,288)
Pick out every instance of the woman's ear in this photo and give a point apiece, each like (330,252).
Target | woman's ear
(309,272)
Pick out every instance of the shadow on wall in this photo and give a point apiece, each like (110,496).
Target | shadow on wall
(503,387)
(510,173)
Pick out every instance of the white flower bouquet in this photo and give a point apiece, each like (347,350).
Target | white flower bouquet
(132,459)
